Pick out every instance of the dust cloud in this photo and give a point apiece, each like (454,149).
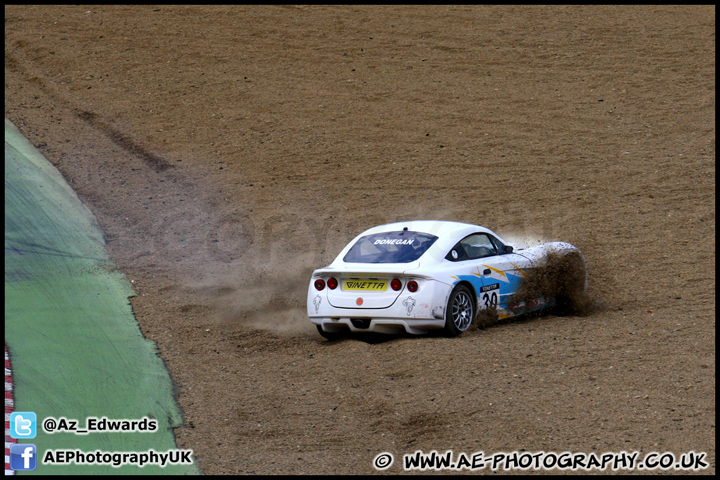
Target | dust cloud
(264,283)
(559,276)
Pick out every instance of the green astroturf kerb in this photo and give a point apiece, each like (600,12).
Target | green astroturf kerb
(75,346)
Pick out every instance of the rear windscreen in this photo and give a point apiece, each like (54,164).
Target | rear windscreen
(390,247)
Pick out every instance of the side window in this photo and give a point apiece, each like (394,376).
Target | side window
(499,246)
(477,245)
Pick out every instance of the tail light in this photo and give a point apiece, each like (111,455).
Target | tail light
(396,284)
(319,284)
(332,283)
(412,286)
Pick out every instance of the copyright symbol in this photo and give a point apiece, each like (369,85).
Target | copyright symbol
(383,461)
(49,425)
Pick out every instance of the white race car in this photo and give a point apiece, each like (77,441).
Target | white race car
(418,276)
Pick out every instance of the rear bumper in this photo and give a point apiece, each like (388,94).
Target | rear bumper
(378,325)
(413,312)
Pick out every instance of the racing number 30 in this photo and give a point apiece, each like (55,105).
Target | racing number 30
(490,299)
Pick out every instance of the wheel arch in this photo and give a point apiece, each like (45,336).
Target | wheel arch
(473,292)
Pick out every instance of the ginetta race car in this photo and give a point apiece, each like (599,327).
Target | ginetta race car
(419,276)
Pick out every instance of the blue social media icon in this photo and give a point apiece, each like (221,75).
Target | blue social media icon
(23,425)
(23,456)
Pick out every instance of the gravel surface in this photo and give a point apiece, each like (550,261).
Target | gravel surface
(227,151)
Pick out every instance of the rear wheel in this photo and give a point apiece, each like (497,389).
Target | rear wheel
(460,311)
(330,335)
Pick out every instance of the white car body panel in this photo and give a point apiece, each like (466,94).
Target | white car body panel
(493,280)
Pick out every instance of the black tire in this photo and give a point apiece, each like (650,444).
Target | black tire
(330,335)
(459,312)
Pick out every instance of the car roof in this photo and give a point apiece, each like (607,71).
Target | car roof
(439,228)
(448,233)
